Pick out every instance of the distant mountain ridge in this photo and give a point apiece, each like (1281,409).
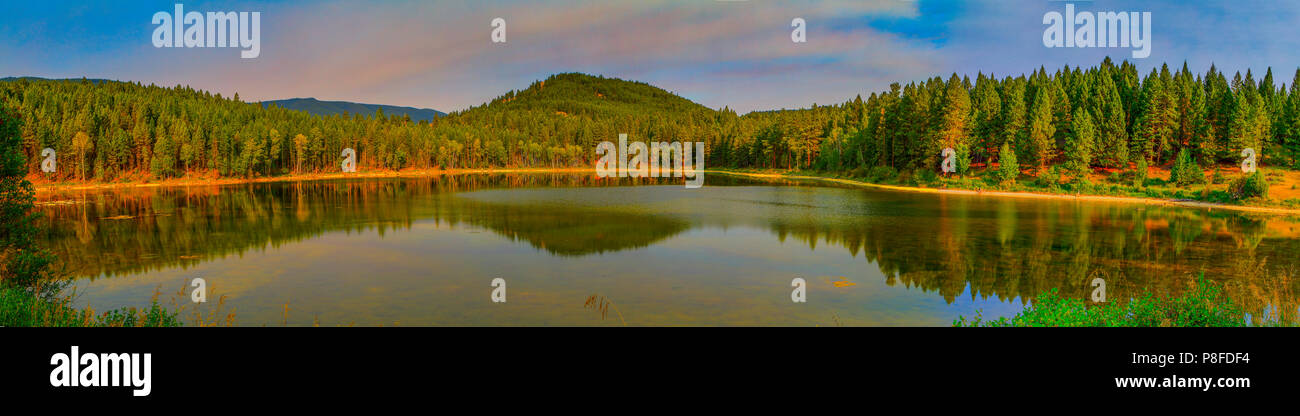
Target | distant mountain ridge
(328,108)
(90,80)
(310,105)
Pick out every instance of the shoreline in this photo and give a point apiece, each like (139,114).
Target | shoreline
(421,173)
(302,177)
(1036,195)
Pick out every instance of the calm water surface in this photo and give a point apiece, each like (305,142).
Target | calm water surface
(424,251)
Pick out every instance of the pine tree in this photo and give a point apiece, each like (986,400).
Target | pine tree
(1242,131)
(163,162)
(1079,144)
(1008,167)
(1155,125)
(1042,143)
(1219,107)
(1200,131)
(1291,138)
(1112,134)
(954,131)
(81,147)
(1062,114)
(1185,170)
(987,117)
(1013,114)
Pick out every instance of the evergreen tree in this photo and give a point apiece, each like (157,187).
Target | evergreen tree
(1291,125)
(1155,125)
(954,131)
(1112,135)
(1008,167)
(1185,171)
(987,118)
(1041,145)
(1198,129)
(1079,144)
(1013,114)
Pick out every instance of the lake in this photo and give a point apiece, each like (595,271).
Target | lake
(425,251)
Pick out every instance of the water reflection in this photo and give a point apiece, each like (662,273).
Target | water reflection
(590,234)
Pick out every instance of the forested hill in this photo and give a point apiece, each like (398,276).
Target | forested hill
(114,130)
(560,120)
(1103,117)
(329,108)
(593,97)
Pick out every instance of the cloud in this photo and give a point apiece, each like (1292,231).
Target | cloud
(1006,37)
(439,54)
(719,53)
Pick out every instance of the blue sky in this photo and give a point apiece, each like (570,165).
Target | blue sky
(438,54)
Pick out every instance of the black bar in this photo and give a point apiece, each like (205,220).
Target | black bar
(454,365)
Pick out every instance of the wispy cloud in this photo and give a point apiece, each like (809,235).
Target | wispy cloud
(733,53)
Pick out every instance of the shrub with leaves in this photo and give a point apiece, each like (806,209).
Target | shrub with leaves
(882,174)
(1249,186)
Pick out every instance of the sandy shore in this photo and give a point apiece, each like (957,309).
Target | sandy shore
(191,181)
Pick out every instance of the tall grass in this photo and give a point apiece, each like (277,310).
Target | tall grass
(24,307)
(601,304)
(1203,306)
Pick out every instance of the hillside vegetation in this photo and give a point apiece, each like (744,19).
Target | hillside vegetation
(1067,126)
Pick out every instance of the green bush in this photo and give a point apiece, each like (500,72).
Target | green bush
(1249,186)
(1050,178)
(859,172)
(1082,185)
(882,174)
(926,177)
(1217,178)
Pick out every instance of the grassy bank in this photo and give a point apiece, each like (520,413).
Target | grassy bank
(23,307)
(1272,191)
(1203,306)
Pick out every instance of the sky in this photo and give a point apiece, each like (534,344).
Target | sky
(737,53)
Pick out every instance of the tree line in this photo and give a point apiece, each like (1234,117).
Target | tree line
(1075,118)
(109,130)
(1100,117)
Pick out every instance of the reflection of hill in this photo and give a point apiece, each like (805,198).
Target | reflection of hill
(574,231)
(146,229)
